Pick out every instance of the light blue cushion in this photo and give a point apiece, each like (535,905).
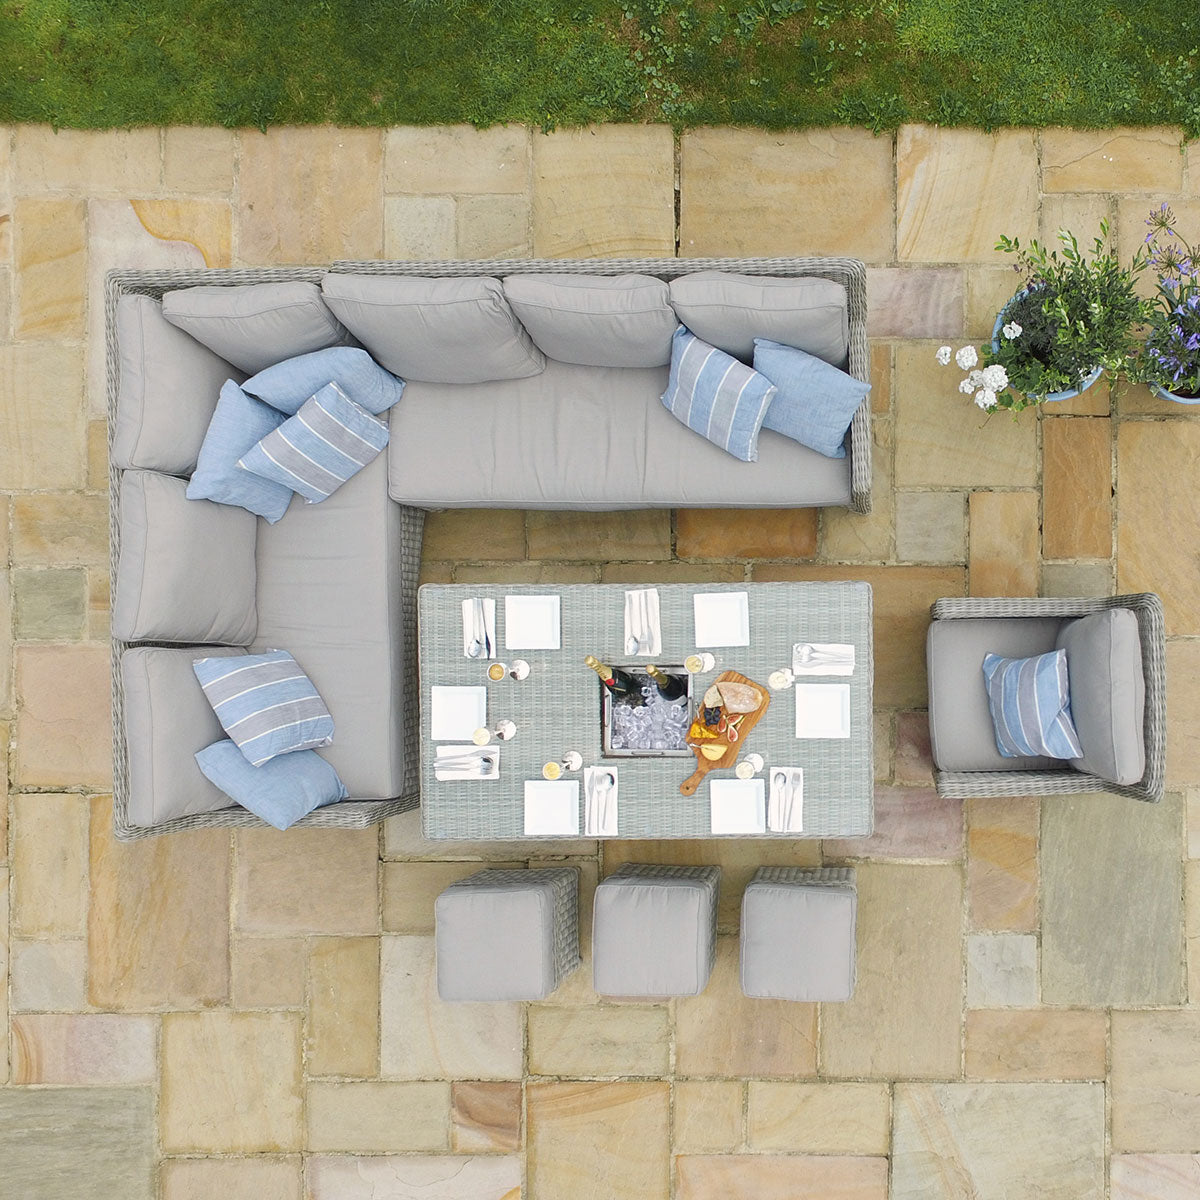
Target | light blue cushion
(288,384)
(266,703)
(237,424)
(816,401)
(327,442)
(280,791)
(1030,701)
(717,396)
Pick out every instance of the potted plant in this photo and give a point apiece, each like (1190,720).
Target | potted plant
(1170,361)
(1073,318)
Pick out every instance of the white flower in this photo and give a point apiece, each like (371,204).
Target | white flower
(943,355)
(975,379)
(966,357)
(985,398)
(967,387)
(995,377)
(1011,330)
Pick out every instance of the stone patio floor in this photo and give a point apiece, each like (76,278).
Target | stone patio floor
(251,1016)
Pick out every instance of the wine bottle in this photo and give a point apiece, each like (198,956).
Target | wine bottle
(670,687)
(615,680)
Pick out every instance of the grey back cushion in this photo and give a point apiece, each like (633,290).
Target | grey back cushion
(168,719)
(258,324)
(169,385)
(729,311)
(436,330)
(186,570)
(596,320)
(1108,693)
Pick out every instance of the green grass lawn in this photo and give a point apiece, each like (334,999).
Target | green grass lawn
(778,63)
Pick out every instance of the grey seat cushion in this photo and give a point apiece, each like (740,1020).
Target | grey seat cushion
(495,935)
(186,571)
(596,320)
(654,931)
(586,437)
(961,732)
(798,941)
(168,389)
(167,719)
(1108,693)
(436,330)
(729,311)
(329,594)
(256,325)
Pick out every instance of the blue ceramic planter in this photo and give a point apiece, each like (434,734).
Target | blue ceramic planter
(1163,394)
(1049,397)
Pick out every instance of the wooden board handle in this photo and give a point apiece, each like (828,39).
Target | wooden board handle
(692,782)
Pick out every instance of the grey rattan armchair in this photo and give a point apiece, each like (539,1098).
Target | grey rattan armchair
(1042,617)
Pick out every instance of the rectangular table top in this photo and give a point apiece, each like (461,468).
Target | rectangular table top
(556,709)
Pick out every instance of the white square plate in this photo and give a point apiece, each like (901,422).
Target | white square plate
(532,623)
(722,618)
(737,805)
(552,807)
(822,710)
(456,712)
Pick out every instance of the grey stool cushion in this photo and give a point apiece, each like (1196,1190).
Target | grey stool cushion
(798,934)
(961,732)
(654,930)
(507,935)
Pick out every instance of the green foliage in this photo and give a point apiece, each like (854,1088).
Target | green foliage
(772,63)
(1076,312)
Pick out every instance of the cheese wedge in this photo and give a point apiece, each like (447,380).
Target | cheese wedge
(738,697)
(712,753)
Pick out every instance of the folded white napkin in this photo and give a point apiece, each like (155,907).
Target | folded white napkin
(467,762)
(822,710)
(722,618)
(476,628)
(785,802)
(737,805)
(600,801)
(532,623)
(822,658)
(456,712)
(642,621)
(552,806)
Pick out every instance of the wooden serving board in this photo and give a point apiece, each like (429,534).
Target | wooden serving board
(704,765)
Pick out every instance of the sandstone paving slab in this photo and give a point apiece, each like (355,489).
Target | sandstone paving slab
(1002,970)
(1111,864)
(1111,160)
(722,1032)
(1077,578)
(914,754)
(143,951)
(752,192)
(95,1049)
(456,159)
(988,289)
(1183,703)
(523,572)
(944,441)
(931,527)
(957,190)
(707,1115)
(49,603)
(419,227)
(1138,400)
(820,1118)
(49,976)
(231,1082)
(4,970)
(915,302)
(413,1177)
(377,1117)
(905,1015)
(268,972)
(49,865)
(258,1178)
(199,158)
(309,194)
(866,537)
(881,375)
(1077,212)
(1077,487)
(410,890)
(49,262)
(119,161)
(604,191)
(1155,1083)
(1155,525)
(604,1139)
(493,227)
(1191,904)
(41,444)
(1003,558)
(998,1140)
(1035,1044)
(460,533)
(779,1177)
(69,1141)
(599,536)
(599,1040)
(341,1035)
(910,822)
(1154,1177)
(60,529)
(746,533)
(485,1116)
(1002,864)
(422,1037)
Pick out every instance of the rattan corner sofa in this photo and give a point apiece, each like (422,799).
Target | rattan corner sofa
(335,583)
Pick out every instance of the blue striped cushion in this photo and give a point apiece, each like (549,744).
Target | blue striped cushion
(717,396)
(314,452)
(1030,701)
(266,703)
